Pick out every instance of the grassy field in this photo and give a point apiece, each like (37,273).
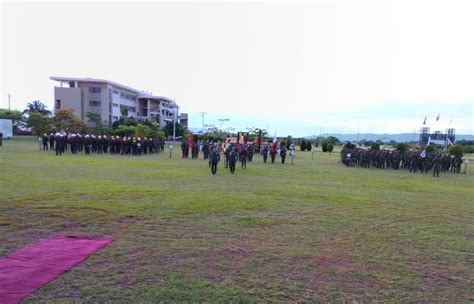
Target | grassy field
(315,231)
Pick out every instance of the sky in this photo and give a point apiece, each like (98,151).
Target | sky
(293,68)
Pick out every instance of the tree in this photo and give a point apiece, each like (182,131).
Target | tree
(308,145)
(330,147)
(333,140)
(38,123)
(36,107)
(325,146)
(124,130)
(303,145)
(140,130)
(65,120)
(401,147)
(349,145)
(375,146)
(15,116)
(169,129)
(456,150)
(124,111)
(97,126)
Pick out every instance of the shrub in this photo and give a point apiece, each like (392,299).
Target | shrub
(325,146)
(430,149)
(401,147)
(123,130)
(303,145)
(349,145)
(140,130)
(456,150)
(330,147)
(375,146)
(469,149)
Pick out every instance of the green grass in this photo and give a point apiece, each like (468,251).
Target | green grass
(315,231)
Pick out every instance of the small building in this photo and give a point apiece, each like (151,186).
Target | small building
(110,99)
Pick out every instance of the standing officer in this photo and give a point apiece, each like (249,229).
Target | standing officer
(243,158)
(45,141)
(265,153)
(283,153)
(51,141)
(233,156)
(436,165)
(214,158)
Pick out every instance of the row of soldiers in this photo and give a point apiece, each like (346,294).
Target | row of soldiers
(101,144)
(414,160)
(234,153)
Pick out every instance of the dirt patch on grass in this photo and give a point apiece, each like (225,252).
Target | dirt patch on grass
(333,265)
(224,262)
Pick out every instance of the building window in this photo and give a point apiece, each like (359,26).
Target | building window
(57,104)
(115,118)
(115,105)
(127,96)
(94,90)
(115,92)
(94,103)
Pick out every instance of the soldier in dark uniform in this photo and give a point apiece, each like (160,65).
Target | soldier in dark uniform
(233,156)
(45,141)
(436,165)
(73,143)
(250,152)
(283,154)
(51,141)
(183,148)
(105,144)
(243,158)
(87,144)
(80,142)
(265,153)
(58,144)
(214,159)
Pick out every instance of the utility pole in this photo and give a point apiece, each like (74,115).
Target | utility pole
(202,114)
(9,102)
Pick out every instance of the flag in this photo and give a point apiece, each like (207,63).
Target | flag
(449,141)
(423,154)
(437,117)
(424,121)
(429,140)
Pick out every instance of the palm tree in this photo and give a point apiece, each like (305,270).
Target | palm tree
(37,107)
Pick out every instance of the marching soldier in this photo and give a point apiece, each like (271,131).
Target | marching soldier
(45,141)
(265,153)
(51,141)
(283,154)
(233,156)
(214,158)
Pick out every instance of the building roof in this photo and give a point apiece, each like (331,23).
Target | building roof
(140,94)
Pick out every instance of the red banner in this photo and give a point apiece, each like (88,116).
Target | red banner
(191,140)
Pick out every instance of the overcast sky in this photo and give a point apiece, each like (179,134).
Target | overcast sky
(296,68)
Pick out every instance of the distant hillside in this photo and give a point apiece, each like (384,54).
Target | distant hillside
(402,137)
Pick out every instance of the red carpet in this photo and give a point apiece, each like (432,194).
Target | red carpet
(27,270)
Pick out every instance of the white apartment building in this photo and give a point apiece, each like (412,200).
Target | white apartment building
(108,98)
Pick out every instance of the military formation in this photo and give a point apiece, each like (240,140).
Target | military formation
(414,160)
(101,144)
(234,153)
